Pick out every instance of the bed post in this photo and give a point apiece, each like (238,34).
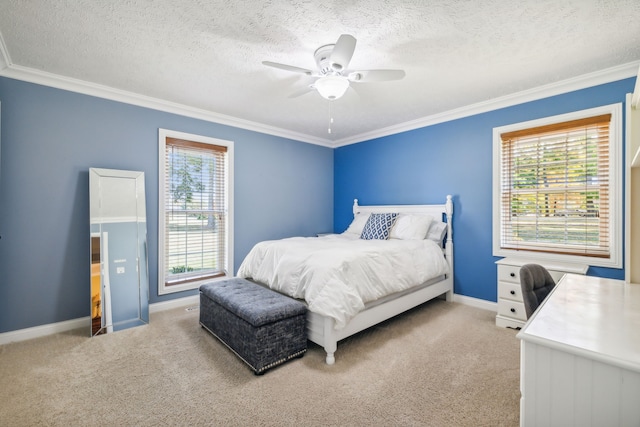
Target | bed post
(449,243)
(356,208)
(330,341)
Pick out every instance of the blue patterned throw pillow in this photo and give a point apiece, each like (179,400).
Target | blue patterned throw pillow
(378,226)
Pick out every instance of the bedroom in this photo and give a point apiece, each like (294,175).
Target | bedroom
(52,135)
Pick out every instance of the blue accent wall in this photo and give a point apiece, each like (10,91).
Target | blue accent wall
(49,140)
(422,166)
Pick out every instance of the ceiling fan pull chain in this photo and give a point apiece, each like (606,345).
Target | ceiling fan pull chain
(330,116)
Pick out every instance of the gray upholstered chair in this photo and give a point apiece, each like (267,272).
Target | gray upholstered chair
(536,283)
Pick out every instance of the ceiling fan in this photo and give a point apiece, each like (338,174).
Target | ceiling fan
(333,75)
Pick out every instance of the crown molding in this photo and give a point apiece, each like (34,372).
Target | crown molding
(7,69)
(635,98)
(581,82)
(86,88)
(5,60)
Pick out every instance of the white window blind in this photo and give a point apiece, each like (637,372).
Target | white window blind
(555,189)
(195,211)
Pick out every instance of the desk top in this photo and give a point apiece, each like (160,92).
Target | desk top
(591,317)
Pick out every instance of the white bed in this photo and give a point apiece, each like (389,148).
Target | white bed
(317,269)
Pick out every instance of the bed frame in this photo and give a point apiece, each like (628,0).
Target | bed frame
(321,330)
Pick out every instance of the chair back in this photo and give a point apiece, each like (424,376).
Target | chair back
(536,283)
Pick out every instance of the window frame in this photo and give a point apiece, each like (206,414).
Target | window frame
(615,188)
(163,134)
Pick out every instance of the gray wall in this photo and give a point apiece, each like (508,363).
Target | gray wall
(49,140)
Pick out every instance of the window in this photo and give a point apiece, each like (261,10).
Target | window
(195,211)
(557,191)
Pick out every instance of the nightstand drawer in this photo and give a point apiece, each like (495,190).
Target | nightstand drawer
(512,309)
(511,291)
(509,273)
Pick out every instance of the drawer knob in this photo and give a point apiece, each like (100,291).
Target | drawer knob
(512,274)
(512,292)
(513,310)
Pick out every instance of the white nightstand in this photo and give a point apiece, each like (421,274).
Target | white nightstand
(511,313)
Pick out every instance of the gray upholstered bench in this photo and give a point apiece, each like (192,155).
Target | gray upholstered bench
(264,328)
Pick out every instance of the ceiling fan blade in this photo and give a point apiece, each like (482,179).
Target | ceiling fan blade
(366,76)
(342,52)
(301,92)
(287,67)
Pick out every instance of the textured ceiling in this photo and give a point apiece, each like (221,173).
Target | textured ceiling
(206,54)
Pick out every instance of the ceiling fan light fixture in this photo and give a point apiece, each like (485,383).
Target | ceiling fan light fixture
(332,87)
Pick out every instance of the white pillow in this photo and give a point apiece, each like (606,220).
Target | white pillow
(437,231)
(411,227)
(357,225)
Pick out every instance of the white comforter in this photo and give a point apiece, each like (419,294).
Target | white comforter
(338,274)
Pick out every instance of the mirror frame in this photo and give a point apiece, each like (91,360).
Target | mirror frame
(119,264)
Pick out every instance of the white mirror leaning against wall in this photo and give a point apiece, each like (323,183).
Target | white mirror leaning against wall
(119,272)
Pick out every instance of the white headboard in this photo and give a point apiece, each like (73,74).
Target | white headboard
(434,210)
(437,211)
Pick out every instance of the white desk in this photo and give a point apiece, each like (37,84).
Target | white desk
(580,356)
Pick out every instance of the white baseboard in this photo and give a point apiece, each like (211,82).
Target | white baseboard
(175,303)
(476,302)
(85,322)
(44,330)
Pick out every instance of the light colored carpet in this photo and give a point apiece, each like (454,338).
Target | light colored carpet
(442,364)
